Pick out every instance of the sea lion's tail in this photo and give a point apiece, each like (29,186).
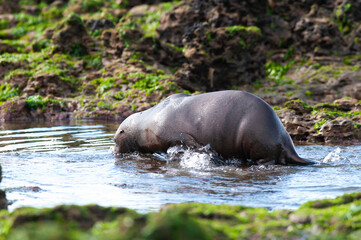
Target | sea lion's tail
(297,160)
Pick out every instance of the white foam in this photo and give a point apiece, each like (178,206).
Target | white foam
(189,158)
(334,156)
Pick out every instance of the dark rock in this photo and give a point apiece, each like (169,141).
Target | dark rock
(99,24)
(9,6)
(48,83)
(15,109)
(71,37)
(298,106)
(319,36)
(6,48)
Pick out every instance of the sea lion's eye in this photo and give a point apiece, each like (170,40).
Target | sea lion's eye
(121,131)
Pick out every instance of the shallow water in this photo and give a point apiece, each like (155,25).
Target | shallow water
(70,163)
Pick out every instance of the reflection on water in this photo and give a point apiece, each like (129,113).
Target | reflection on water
(70,163)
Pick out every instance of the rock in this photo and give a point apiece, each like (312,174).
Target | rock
(6,48)
(6,66)
(219,48)
(71,37)
(279,35)
(354,41)
(100,24)
(300,219)
(353,91)
(31,9)
(299,106)
(48,83)
(219,58)
(15,109)
(345,104)
(299,127)
(9,6)
(317,33)
(339,129)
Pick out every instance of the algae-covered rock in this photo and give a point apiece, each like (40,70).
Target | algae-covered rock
(337,218)
(71,37)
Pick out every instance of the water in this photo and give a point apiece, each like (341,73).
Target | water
(70,163)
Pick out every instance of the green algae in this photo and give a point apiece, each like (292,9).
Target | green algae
(332,111)
(21,58)
(148,82)
(6,92)
(103,84)
(236,29)
(276,72)
(36,101)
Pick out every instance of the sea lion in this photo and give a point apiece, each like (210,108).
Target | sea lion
(235,124)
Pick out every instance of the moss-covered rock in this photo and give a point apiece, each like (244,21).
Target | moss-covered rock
(337,218)
(71,37)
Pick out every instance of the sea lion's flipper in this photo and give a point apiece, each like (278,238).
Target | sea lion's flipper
(297,160)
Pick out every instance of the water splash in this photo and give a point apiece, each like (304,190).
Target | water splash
(189,158)
(334,156)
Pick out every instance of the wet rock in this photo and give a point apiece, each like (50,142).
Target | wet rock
(298,126)
(83,216)
(339,129)
(71,37)
(15,109)
(299,106)
(37,108)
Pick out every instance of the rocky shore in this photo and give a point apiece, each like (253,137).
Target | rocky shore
(104,60)
(74,59)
